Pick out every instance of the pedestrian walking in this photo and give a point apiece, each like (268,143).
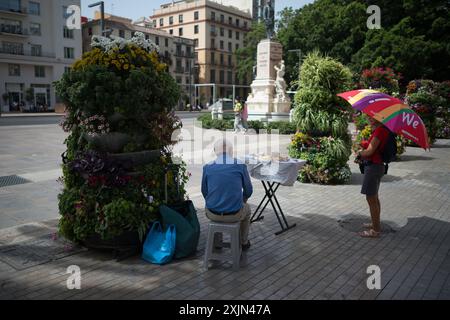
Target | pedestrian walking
(238,107)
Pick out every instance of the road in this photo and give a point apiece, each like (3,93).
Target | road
(32,120)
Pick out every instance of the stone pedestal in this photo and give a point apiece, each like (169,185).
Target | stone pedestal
(263,103)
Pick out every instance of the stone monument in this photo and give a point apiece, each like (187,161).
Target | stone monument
(268,100)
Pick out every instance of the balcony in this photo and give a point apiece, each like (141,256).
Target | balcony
(7,29)
(27,53)
(22,11)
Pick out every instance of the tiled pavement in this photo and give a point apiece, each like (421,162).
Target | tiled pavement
(322,258)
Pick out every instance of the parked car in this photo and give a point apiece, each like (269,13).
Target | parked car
(224,104)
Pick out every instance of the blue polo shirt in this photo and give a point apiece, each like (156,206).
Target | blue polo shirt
(225,184)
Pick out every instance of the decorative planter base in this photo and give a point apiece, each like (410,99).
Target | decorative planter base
(124,246)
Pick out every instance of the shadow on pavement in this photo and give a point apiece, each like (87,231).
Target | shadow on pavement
(322,258)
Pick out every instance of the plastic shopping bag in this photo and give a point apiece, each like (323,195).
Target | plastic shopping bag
(159,246)
(184,217)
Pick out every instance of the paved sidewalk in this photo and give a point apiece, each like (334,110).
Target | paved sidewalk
(322,258)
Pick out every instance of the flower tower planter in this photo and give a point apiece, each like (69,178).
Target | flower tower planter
(118,99)
(322,121)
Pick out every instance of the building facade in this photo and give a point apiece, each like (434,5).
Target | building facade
(178,52)
(37,45)
(218,31)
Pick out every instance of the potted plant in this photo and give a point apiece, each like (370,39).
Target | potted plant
(118,146)
(5,98)
(322,121)
(29,97)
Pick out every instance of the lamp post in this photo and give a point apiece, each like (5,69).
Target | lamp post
(102,12)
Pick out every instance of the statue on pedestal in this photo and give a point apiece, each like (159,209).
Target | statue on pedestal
(269,18)
(280,83)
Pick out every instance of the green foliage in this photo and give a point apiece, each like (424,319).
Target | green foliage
(122,96)
(413,39)
(282,127)
(246,56)
(323,118)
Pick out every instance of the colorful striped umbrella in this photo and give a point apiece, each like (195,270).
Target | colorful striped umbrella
(392,112)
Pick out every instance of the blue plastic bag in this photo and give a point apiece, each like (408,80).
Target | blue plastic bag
(159,246)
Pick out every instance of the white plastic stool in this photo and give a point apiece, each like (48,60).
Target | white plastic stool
(233,229)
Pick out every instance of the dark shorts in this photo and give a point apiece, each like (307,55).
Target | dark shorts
(372,179)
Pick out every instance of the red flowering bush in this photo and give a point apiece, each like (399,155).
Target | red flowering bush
(383,79)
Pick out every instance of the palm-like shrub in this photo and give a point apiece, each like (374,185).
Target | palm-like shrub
(118,98)
(322,120)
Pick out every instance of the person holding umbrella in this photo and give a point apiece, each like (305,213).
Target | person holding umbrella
(387,115)
(374,169)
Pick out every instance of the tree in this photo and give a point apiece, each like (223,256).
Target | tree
(414,38)
(246,56)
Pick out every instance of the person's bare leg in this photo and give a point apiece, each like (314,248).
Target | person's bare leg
(375,207)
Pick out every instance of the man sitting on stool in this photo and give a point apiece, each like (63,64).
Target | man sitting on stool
(226,187)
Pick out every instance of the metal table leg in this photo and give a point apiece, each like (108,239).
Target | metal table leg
(271,189)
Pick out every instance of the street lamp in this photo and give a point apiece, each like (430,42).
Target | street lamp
(102,12)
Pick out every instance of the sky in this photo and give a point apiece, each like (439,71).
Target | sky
(135,9)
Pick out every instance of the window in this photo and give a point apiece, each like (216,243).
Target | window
(213,16)
(221,59)
(34,8)
(157,40)
(237,35)
(90,31)
(230,34)
(230,47)
(161,22)
(230,20)
(213,30)
(180,18)
(213,43)
(221,44)
(196,29)
(122,33)
(69,53)
(166,42)
(222,18)
(196,43)
(196,56)
(213,58)
(222,32)
(36,50)
(147,37)
(171,20)
(180,32)
(237,46)
(67,69)
(222,76)
(212,75)
(230,63)
(12,47)
(154,23)
(189,51)
(171,31)
(68,33)
(35,29)
(14,70)
(39,71)
(196,15)
(237,23)
(245,24)
(230,77)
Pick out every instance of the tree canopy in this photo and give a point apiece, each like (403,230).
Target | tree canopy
(414,38)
